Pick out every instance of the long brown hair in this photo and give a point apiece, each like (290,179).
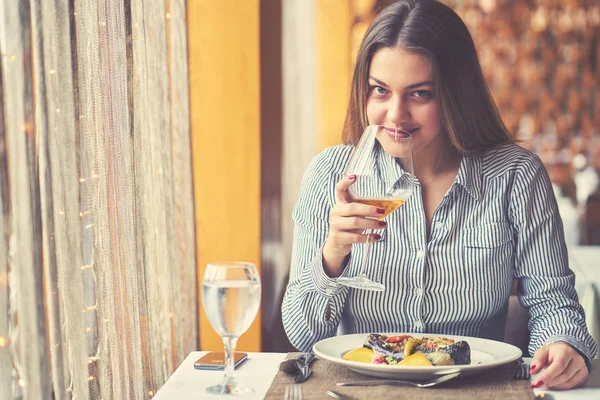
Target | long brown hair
(468,113)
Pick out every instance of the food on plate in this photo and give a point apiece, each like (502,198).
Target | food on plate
(416,360)
(412,351)
(361,354)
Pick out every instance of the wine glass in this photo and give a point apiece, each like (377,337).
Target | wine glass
(368,189)
(231,297)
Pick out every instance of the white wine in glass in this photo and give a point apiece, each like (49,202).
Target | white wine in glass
(389,205)
(369,188)
(231,297)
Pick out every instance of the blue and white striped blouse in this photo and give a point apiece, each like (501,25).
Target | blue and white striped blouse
(498,221)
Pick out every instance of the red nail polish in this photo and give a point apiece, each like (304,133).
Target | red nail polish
(352,177)
(532,368)
(537,384)
(380,211)
(382,223)
(376,237)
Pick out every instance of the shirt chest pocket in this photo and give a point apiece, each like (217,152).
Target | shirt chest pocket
(487,256)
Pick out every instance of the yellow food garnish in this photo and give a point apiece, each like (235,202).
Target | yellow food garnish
(361,354)
(410,346)
(416,360)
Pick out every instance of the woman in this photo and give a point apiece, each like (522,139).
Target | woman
(483,212)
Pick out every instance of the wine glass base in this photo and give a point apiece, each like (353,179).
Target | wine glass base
(230,389)
(361,282)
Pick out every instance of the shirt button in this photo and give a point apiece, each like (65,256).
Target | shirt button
(418,324)
(329,292)
(420,253)
(439,225)
(419,292)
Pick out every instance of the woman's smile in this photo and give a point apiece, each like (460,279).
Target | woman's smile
(399,133)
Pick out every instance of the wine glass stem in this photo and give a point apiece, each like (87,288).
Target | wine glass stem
(363,268)
(230,343)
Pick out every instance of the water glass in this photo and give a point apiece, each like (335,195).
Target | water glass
(230,297)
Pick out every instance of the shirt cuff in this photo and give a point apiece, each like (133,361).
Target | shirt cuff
(326,285)
(578,345)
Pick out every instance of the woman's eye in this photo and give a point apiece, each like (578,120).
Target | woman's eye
(425,94)
(379,90)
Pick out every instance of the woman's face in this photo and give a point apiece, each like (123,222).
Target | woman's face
(401,96)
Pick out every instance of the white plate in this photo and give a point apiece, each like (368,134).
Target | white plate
(485,354)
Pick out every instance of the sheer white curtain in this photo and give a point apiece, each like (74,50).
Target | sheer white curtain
(98,294)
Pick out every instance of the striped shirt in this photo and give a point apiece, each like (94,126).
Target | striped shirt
(499,221)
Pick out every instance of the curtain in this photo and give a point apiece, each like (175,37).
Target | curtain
(98,286)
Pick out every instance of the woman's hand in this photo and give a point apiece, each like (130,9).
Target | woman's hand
(347,221)
(565,367)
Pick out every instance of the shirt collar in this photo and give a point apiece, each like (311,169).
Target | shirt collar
(469,175)
(469,172)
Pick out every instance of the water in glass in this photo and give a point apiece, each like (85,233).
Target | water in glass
(231,305)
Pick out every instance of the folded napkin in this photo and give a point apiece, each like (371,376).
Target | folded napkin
(498,383)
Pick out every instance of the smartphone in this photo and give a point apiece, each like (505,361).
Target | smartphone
(215,360)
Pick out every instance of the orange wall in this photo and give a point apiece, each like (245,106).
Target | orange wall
(334,68)
(224,62)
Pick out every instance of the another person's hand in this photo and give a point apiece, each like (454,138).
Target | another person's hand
(347,222)
(565,367)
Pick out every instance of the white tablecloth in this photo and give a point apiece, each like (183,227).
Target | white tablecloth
(260,369)
(585,263)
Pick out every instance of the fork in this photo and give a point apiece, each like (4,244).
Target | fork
(430,383)
(523,370)
(293,392)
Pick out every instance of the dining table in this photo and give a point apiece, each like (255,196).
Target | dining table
(261,368)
